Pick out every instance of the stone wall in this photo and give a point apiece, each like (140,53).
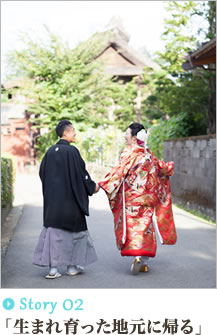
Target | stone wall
(194,180)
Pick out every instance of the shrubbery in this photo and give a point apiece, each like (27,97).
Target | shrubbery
(7,182)
(176,127)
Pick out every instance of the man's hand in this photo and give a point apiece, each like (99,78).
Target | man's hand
(97,188)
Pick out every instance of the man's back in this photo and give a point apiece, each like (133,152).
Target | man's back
(66,186)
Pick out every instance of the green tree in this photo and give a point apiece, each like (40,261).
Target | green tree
(210,15)
(62,83)
(177,94)
(177,35)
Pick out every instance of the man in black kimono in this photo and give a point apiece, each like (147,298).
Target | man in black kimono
(66,186)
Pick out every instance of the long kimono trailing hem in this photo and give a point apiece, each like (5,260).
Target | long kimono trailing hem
(139,188)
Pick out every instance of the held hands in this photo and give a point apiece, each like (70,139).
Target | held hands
(97,188)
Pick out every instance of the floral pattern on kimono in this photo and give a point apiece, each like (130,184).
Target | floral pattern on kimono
(138,189)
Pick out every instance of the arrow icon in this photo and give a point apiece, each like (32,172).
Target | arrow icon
(8,304)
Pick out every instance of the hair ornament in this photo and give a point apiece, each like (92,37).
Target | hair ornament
(142,135)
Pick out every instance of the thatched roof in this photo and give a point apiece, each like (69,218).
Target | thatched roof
(118,39)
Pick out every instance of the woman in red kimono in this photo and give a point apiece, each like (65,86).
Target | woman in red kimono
(139,194)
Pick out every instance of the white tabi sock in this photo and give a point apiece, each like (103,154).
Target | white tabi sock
(144,260)
(53,271)
(72,268)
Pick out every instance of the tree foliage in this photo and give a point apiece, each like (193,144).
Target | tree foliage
(177,35)
(183,102)
(62,83)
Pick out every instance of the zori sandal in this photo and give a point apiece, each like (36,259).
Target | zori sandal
(144,268)
(135,267)
(53,276)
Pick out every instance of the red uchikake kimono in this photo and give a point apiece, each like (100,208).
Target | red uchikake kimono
(138,189)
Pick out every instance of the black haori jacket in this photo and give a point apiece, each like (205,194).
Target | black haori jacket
(66,186)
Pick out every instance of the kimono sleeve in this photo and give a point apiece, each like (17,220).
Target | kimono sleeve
(113,180)
(42,168)
(166,169)
(90,185)
(82,174)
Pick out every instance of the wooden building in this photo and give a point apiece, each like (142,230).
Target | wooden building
(119,58)
(122,61)
(205,58)
(202,57)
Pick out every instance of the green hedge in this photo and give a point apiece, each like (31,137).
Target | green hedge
(7,182)
(175,127)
